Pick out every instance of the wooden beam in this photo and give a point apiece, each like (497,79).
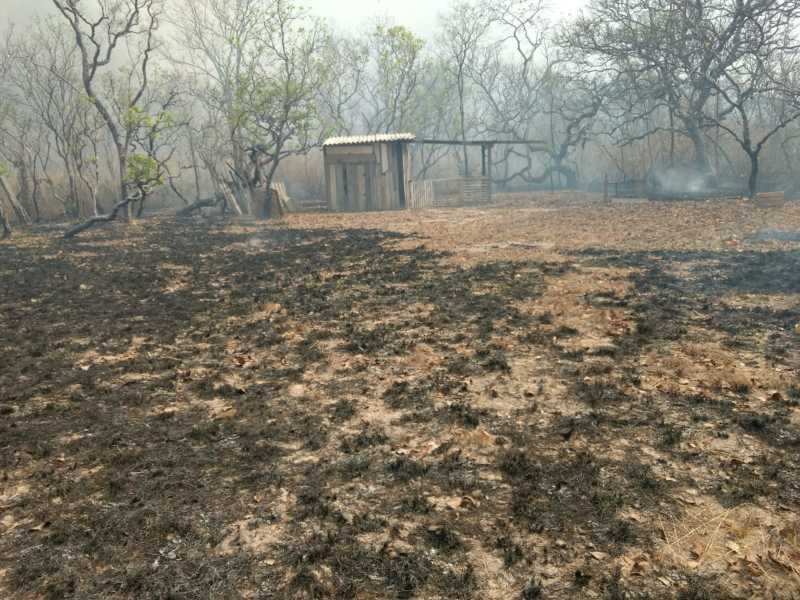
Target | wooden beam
(541,143)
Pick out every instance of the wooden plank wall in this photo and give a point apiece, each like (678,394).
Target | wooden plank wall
(366,177)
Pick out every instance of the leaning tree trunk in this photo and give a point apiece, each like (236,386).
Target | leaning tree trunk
(20,211)
(81,227)
(4,222)
(187,211)
(220,187)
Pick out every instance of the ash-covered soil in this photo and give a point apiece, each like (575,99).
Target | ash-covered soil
(550,399)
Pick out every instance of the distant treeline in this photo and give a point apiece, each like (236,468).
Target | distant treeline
(111,106)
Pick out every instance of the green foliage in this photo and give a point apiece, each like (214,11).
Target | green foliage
(398,51)
(143,170)
(398,58)
(397,45)
(4,170)
(137,118)
(275,100)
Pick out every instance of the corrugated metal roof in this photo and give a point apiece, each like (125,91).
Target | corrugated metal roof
(379,138)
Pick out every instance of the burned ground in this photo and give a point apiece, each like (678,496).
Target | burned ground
(443,405)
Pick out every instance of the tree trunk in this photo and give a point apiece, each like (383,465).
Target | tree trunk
(195,169)
(276,205)
(20,211)
(462,115)
(700,155)
(74,196)
(95,205)
(35,194)
(4,222)
(752,183)
(118,208)
(242,202)
(24,196)
(201,203)
(671,137)
(570,175)
(123,207)
(252,199)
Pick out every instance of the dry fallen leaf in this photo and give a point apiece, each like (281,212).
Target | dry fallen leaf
(734,547)
(297,390)
(783,563)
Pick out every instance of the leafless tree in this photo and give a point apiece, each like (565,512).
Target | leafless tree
(391,79)
(347,58)
(16,127)
(644,46)
(112,27)
(217,40)
(282,117)
(48,80)
(463,30)
(760,89)
(672,61)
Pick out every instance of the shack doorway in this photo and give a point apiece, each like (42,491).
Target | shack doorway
(355,185)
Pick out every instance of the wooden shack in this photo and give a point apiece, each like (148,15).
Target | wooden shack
(369,172)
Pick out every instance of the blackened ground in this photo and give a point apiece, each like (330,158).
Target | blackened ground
(217,411)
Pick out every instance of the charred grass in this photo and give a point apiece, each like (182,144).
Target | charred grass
(269,429)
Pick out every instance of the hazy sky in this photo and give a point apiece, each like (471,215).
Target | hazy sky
(419,15)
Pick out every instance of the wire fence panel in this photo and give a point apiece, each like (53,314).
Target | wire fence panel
(450,193)
(421,195)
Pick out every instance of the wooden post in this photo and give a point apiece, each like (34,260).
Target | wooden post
(326,176)
(483,160)
(605,188)
(489,169)
(399,148)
